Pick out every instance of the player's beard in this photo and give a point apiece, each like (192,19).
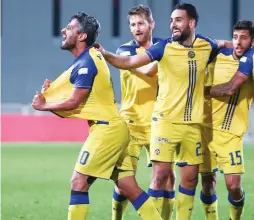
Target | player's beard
(146,37)
(185,34)
(68,46)
(143,40)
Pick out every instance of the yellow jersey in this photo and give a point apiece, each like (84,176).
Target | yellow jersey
(228,114)
(181,78)
(88,71)
(138,91)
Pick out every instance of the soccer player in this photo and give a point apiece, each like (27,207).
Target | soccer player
(178,111)
(139,90)
(226,121)
(85,91)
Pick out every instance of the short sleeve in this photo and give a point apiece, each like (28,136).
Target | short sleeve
(156,51)
(126,50)
(84,74)
(246,65)
(211,41)
(214,46)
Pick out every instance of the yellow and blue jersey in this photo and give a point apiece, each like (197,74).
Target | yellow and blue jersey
(229,114)
(138,91)
(247,63)
(181,78)
(88,71)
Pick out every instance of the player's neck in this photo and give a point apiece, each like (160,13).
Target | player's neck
(146,44)
(78,50)
(190,40)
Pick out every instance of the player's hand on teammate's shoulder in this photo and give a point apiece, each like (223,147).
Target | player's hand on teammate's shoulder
(45,85)
(99,47)
(39,101)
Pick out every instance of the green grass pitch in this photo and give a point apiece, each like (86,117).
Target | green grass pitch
(35,184)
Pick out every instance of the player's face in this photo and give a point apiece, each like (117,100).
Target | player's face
(242,42)
(180,25)
(140,28)
(70,35)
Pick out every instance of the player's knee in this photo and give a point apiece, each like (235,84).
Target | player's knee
(172,176)
(234,188)
(233,183)
(159,179)
(79,183)
(189,182)
(124,192)
(208,184)
(171,180)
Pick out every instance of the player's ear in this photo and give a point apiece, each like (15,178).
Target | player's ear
(252,42)
(82,37)
(192,23)
(152,24)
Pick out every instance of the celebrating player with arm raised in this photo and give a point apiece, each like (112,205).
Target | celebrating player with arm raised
(85,91)
(178,111)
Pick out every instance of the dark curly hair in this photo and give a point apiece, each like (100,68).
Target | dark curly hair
(89,25)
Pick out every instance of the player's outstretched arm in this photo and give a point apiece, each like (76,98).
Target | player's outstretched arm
(73,102)
(224,44)
(229,88)
(150,69)
(124,62)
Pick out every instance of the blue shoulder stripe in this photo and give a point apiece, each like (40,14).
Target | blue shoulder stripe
(212,42)
(226,51)
(127,50)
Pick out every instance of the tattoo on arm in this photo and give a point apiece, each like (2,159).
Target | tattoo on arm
(230,87)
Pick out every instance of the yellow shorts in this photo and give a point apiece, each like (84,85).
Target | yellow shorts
(180,143)
(223,151)
(105,154)
(139,137)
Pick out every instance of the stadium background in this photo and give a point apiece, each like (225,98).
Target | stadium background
(30,37)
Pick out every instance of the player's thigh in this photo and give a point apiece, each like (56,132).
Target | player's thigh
(102,150)
(146,136)
(209,164)
(134,150)
(135,145)
(189,152)
(124,167)
(164,140)
(229,151)
(233,181)
(189,176)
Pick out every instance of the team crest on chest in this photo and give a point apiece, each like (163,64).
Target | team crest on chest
(191,54)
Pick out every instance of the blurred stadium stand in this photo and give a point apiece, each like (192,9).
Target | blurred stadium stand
(31,38)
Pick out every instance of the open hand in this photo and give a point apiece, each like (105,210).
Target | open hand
(39,102)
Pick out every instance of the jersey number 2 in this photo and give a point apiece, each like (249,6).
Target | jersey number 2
(198,153)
